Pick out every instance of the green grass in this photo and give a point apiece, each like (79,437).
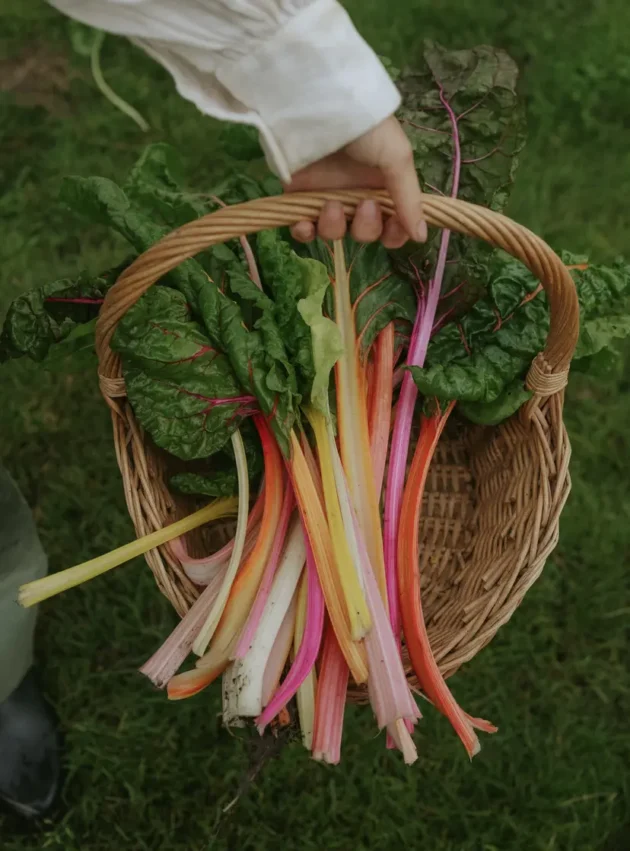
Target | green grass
(146,774)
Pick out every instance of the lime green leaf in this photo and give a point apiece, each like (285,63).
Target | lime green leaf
(326,340)
(492,413)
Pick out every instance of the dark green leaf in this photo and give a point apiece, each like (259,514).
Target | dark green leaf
(604,296)
(257,356)
(261,364)
(479,85)
(483,358)
(36,321)
(222,483)
(477,358)
(290,278)
(76,353)
(101,201)
(177,381)
(493,413)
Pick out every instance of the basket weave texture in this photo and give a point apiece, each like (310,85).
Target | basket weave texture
(494,495)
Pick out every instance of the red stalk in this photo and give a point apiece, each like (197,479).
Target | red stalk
(332,685)
(429,676)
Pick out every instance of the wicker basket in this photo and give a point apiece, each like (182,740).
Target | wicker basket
(494,495)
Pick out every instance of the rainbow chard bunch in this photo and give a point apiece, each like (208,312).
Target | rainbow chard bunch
(285,382)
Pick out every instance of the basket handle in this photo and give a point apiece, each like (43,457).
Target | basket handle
(548,373)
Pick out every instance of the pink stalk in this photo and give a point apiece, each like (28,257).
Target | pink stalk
(166,661)
(277,659)
(309,647)
(201,570)
(330,705)
(416,355)
(246,637)
(247,250)
(389,691)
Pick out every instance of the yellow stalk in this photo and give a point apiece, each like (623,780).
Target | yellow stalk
(34,592)
(354,599)
(352,416)
(319,536)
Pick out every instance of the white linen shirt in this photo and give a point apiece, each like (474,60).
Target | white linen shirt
(296,69)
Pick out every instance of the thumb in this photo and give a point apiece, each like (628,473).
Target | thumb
(402,182)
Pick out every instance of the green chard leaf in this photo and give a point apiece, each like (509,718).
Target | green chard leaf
(492,346)
(216,476)
(379,294)
(221,484)
(493,413)
(155,184)
(327,345)
(255,349)
(604,296)
(479,86)
(290,278)
(259,357)
(102,201)
(43,317)
(178,383)
(482,360)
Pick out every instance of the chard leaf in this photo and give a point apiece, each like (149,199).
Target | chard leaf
(102,201)
(260,362)
(76,353)
(178,383)
(483,358)
(36,321)
(493,413)
(479,85)
(216,476)
(257,356)
(290,278)
(327,346)
(220,484)
(475,359)
(379,294)
(155,184)
(604,296)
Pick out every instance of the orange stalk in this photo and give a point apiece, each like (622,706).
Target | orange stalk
(429,676)
(245,586)
(316,525)
(347,568)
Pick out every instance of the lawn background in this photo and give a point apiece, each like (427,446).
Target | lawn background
(146,774)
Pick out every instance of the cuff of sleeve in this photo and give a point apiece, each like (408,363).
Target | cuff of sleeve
(316,85)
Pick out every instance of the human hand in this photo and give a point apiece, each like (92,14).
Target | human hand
(380,159)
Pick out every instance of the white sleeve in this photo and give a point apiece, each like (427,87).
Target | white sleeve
(296,69)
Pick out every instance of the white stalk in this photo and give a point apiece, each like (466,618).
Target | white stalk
(208,629)
(245,685)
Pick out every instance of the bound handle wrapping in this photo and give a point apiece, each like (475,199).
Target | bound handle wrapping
(548,373)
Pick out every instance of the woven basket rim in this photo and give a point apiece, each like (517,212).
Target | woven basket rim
(549,370)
